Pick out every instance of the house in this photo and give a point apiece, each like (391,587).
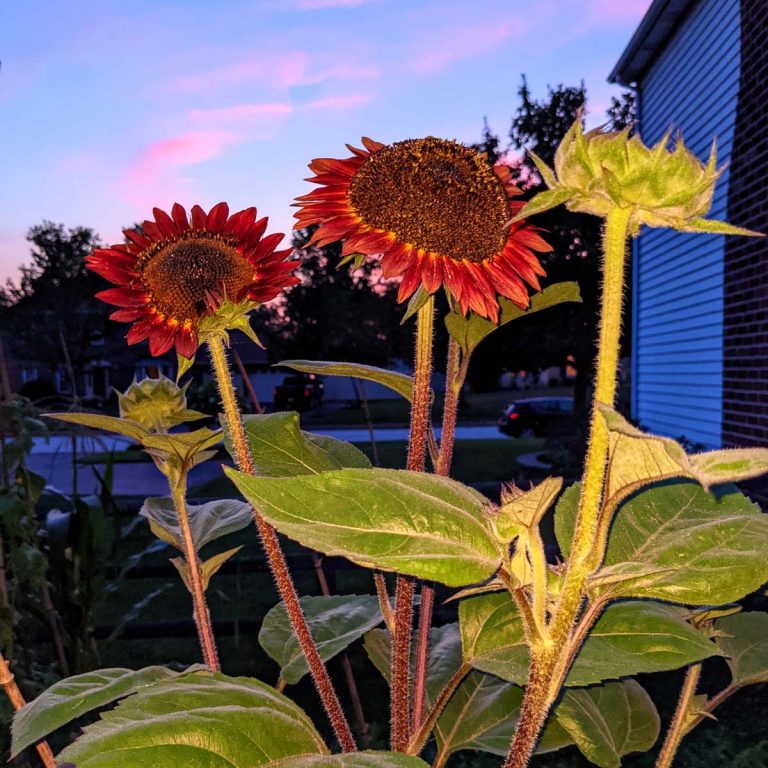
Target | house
(700,303)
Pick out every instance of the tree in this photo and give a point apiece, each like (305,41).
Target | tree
(335,314)
(51,311)
(566,333)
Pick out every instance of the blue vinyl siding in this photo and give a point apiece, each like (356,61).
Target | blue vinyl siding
(677,370)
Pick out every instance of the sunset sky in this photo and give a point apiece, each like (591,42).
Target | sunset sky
(110,107)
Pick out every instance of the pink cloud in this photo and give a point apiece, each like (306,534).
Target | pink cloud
(277,70)
(339,102)
(464,42)
(155,174)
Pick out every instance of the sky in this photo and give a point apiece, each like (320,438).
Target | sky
(111,107)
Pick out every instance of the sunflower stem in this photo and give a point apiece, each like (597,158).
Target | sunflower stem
(678,727)
(202,616)
(274,553)
(550,659)
(16,698)
(417,454)
(453,385)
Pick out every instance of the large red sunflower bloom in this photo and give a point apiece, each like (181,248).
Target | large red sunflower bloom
(176,270)
(436,212)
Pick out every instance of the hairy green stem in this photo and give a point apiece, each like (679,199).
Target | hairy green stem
(417,449)
(453,385)
(275,556)
(678,727)
(549,662)
(202,616)
(421,734)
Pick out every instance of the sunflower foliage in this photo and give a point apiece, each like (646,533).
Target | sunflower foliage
(657,546)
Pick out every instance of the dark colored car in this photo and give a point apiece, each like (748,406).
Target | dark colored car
(537,416)
(298,392)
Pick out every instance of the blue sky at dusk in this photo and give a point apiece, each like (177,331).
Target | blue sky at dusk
(108,108)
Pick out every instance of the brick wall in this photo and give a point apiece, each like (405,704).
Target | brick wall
(745,322)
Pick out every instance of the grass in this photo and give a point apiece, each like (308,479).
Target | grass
(475,461)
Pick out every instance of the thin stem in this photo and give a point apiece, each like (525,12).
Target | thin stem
(349,676)
(538,559)
(549,663)
(453,385)
(678,727)
(384,604)
(419,738)
(16,698)
(275,556)
(202,616)
(417,450)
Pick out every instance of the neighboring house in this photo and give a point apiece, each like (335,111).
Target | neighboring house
(700,314)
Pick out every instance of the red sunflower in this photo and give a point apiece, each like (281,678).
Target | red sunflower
(175,270)
(436,212)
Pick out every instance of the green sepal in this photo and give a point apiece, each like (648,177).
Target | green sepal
(415,303)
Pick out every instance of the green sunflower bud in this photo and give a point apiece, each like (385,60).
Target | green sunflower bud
(157,404)
(600,170)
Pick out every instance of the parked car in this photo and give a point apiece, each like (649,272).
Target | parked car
(537,416)
(298,392)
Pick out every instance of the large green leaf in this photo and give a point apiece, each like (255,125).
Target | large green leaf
(208,521)
(677,542)
(469,331)
(353,760)
(636,459)
(483,711)
(638,636)
(629,638)
(609,721)
(198,721)
(281,449)
(410,522)
(335,622)
(743,638)
(72,697)
(399,382)
(483,715)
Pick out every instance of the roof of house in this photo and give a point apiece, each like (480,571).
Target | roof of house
(659,22)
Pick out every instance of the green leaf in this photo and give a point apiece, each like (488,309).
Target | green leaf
(629,638)
(469,331)
(545,201)
(409,522)
(72,697)
(198,721)
(713,227)
(639,636)
(609,721)
(678,543)
(546,173)
(208,521)
(131,429)
(636,459)
(335,621)
(210,567)
(744,639)
(416,302)
(353,760)
(184,445)
(483,714)
(524,509)
(398,382)
(281,449)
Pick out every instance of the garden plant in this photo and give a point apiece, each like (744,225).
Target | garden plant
(656,547)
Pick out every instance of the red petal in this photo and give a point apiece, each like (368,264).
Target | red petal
(137,239)
(139,331)
(432,272)
(186,341)
(180,217)
(128,315)
(198,217)
(165,222)
(371,145)
(161,339)
(217,216)
(123,297)
(153,231)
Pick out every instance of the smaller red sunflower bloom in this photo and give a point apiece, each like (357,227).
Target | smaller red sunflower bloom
(177,269)
(436,212)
